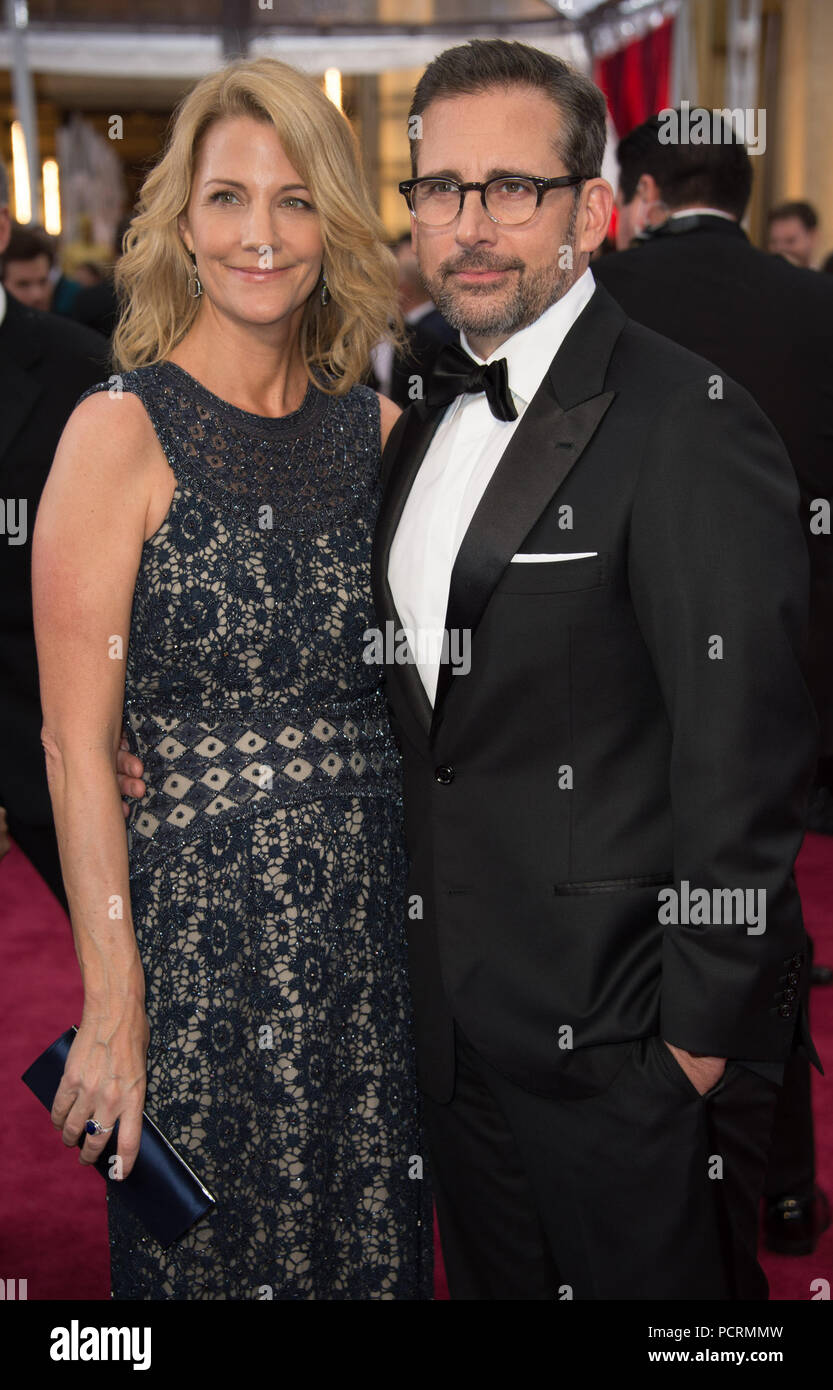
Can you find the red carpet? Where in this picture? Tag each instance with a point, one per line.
(53, 1230)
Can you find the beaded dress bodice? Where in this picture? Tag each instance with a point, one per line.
(227, 708)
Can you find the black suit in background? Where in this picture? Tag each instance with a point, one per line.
(46, 363)
(539, 895)
(769, 325)
(97, 306)
(425, 339)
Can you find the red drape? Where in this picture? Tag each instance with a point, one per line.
(636, 80)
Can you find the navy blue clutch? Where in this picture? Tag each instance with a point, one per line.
(160, 1189)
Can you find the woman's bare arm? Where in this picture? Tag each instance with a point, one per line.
(91, 524)
(389, 413)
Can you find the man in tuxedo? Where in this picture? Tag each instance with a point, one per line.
(609, 526)
(46, 363)
(694, 276)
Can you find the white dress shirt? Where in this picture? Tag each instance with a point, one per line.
(712, 212)
(2, 304)
(463, 455)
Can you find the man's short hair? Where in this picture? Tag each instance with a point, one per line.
(805, 212)
(4, 186)
(25, 243)
(714, 175)
(481, 64)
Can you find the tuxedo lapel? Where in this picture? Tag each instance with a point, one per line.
(556, 427)
(405, 450)
(545, 447)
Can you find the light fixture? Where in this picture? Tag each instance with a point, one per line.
(20, 173)
(51, 197)
(332, 86)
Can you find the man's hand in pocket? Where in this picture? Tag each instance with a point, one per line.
(703, 1072)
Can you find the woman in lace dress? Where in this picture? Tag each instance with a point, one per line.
(201, 568)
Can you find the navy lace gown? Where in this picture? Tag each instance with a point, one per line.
(267, 864)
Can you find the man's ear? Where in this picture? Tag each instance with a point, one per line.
(598, 207)
(5, 229)
(648, 189)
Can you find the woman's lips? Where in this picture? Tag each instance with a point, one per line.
(253, 273)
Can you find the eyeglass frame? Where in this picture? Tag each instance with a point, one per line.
(542, 186)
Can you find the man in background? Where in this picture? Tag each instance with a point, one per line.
(46, 363)
(694, 276)
(28, 272)
(793, 233)
(426, 328)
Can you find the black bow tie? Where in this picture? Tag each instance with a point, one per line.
(455, 374)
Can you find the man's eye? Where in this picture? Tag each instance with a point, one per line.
(512, 188)
(440, 187)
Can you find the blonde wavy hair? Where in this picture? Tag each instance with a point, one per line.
(152, 277)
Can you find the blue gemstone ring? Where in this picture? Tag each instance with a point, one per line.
(93, 1127)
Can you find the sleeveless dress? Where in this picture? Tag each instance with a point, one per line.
(267, 863)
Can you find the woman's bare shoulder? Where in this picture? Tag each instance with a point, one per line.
(114, 422)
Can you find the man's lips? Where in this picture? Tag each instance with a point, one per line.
(480, 277)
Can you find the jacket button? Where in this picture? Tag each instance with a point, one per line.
(789, 995)
(797, 960)
(793, 978)
(444, 775)
(785, 1011)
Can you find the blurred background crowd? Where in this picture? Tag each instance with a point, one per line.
(87, 88)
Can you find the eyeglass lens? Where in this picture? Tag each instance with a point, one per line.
(437, 201)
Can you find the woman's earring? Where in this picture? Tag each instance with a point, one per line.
(325, 289)
(194, 282)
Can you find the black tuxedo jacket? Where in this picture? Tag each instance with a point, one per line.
(630, 722)
(46, 363)
(768, 324)
(426, 338)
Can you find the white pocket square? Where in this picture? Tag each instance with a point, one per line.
(548, 559)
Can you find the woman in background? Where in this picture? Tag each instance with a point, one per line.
(201, 563)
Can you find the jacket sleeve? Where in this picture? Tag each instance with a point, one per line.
(719, 579)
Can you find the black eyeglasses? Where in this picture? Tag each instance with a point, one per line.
(509, 198)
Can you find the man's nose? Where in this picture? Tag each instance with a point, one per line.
(474, 223)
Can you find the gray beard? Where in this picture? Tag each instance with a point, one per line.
(534, 292)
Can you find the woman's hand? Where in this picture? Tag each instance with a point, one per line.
(105, 1079)
(129, 771)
